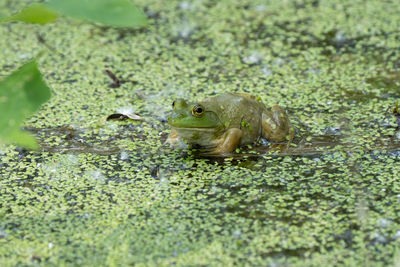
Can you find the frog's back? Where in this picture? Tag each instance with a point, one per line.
(242, 111)
(235, 105)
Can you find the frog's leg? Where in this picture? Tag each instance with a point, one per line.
(173, 138)
(276, 125)
(229, 141)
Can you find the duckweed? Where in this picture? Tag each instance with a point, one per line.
(112, 193)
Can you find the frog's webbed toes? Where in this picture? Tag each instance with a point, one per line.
(173, 139)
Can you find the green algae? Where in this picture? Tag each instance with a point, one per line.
(112, 193)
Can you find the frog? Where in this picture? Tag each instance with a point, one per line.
(227, 121)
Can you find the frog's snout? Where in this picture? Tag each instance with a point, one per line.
(174, 116)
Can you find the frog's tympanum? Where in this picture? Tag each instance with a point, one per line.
(224, 122)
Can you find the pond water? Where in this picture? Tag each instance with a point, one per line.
(111, 192)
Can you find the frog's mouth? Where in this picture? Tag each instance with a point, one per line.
(186, 121)
(199, 129)
(198, 135)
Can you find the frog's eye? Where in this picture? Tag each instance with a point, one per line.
(173, 103)
(197, 111)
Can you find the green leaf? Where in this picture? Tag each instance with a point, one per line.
(21, 94)
(36, 14)
(116, 13)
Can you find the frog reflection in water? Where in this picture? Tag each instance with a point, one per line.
(224, 122)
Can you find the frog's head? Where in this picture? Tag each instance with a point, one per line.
(191, 115)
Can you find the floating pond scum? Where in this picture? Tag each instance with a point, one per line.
(111, 193)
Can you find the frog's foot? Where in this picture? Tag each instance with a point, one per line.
(276, 125)
(173, 139)
(228, 142)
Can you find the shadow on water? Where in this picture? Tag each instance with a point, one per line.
(75, 141)
(309, 146)
(71, 140)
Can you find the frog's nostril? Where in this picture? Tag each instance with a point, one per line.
(179, 103)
